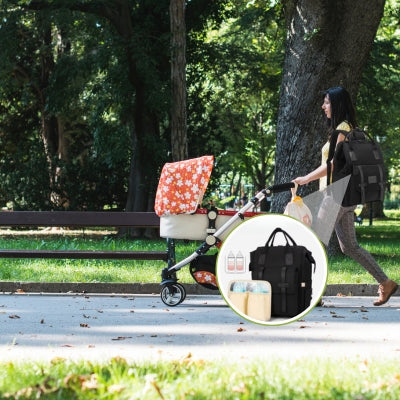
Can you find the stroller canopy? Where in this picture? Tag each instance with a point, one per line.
(182, 185)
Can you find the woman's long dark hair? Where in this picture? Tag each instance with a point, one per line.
(342, 108)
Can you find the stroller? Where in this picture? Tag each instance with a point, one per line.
(179, 194)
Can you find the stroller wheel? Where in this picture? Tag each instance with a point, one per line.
(173, 294)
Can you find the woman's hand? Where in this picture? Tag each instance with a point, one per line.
(301, 180)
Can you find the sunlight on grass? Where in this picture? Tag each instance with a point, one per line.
(382, 240)
(328, 379)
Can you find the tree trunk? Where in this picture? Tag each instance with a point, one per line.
(327, 44)
(178, 80)
(52, 129)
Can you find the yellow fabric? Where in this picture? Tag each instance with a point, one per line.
(343, 126)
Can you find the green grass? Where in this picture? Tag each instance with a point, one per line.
(382, 240)
(53, 270)
(202, 380)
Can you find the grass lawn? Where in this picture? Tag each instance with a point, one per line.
(382, 240)
(202, 380)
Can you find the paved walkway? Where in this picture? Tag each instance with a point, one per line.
(141, 327)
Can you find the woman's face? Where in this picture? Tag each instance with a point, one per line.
(326, 106)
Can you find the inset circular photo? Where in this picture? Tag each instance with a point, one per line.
(272, 269)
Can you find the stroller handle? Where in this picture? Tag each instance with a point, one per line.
(282, 187)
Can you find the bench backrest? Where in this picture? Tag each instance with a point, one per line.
(79, 218)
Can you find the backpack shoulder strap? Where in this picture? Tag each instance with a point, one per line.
(331, 153)
(332, 146)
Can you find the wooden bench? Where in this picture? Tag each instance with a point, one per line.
(82, 219)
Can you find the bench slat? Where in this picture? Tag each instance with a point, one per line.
(79, 218)
(86, 254)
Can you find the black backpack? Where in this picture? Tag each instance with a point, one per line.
(289, 270)
(359, 156)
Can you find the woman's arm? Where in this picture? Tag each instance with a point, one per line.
(312, 176)
(319, 172)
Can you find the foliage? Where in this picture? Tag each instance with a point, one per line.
(234, 84)
(117, 378)
(68, 64)
(379, 97)
(80, 95)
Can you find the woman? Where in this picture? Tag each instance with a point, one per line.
(340, 114)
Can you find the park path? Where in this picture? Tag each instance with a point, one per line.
(141, 327)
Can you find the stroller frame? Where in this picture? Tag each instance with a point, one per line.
(174, 293)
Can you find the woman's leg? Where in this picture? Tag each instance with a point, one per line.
(346, 234)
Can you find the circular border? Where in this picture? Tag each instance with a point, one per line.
(254, 233)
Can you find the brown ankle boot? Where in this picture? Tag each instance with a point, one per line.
(386, 289)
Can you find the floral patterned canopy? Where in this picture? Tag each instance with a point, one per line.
(182, 185)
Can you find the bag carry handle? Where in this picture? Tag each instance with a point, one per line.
(294, 190)
(270, 241)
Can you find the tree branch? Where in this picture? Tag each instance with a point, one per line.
(112, 13)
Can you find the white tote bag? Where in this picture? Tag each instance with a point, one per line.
(297, 209)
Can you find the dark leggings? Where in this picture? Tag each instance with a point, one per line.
(346, 233)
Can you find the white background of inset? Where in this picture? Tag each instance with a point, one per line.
(254, 233)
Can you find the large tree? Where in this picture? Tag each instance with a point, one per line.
(178, 80)
(327, 44)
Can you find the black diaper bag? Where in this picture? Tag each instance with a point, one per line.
(359, 157)
(288, 268)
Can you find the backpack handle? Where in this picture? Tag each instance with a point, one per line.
(288, 238)
(349, 135)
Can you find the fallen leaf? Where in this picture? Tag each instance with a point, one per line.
(20, 291)
(91, 383)
(84, 325)
(304, 326)
(67, 345)
(153, 335)
(14, 316)
(122, 338)
(115, 388)
(363, 367)
(241, 388)
(241, 330)
(42, 321)
(337, 316)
